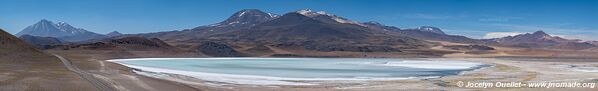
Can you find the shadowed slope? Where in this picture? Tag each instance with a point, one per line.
(23, 67)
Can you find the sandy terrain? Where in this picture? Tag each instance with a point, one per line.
(506, 68)
(502, 71)
(121, 78)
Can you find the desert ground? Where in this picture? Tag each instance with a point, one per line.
(506, 67)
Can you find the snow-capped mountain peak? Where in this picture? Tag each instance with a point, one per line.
(61, 23)
(42, 28)
(246, 17)
(242, 13)
(373, 23)
(322, 12)
(307, 12)
(431, 29)
(273, 15)
(45, 28)
(63, 26)
(304, 11)
(312, 14)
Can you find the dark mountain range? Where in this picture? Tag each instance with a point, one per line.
(40, 42)
(217, 50)
(253, 19)
(469, 47)
(433, 33)
(241, 19)
(540, 39)
(322, 31)
(61, 30)
(305, 30)
(296, 26)
(124, 43)
(423, 33)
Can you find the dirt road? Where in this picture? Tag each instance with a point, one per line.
(101, 85)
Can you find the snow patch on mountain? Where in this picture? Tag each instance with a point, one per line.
(62, 30)
(247, 17)
(310, 13)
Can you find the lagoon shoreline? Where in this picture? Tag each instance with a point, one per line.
(349, 69)
(502, 70)
(505, 69)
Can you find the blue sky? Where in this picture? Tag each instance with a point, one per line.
(472, 18)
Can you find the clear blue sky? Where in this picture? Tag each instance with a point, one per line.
(472, 18)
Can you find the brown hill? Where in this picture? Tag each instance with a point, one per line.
(23, 67)
(540, 39)
(217, 50)
(124, 44)
(127, 47)
(12, 47)
(40, 42)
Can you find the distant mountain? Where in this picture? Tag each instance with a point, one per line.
(302, 30)
(540, 39)
(433, 33)
(423, 33)
(293, 25)
(40, 42)
(61, 30)
(378, 26)
(319, 31)
(244, 18)
(250, 19)
(536, 39)
(114, 33)
(239, 20)
(43, 28)
(593, 42)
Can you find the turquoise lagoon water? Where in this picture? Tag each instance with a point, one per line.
(287, 71)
